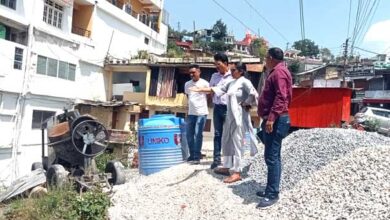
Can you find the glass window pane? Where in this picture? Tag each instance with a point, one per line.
(36, 119)
(55, 18)
(39, 117)
(52, 67)
(18, 58)
(59, 20)
(45, 13)
(63, 70)
(12, 4)
(17, 65)
(50, 15)
(41, 65)
(72, 72)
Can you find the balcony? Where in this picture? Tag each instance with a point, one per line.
(129, 85)
(82, 19)
(81, 31)
(145, 11)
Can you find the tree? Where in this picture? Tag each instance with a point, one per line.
(173, 50)
(219, 30)
(219, 46)
(307, 47)
(326, 55)
(294, 67)
(258, 48)
(178, 35)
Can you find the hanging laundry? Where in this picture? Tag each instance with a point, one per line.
(165, 83)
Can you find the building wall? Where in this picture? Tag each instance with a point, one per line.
(10, 78)
(29, 147)
(8, 104)
(126, 77)
(113, 32)
(101, 113)
(6, 164)
(129, 33)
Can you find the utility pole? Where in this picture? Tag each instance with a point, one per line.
(287, 45)
(194, 41)
(193, 33)
(345, 60)
(178, 26)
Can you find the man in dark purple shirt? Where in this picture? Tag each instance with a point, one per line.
(273, 109)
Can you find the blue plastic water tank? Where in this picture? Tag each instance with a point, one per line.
(183, 130)
(159, 140)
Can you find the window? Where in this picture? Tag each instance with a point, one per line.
(53, 13)
(56, 68)
(52, 67)
(40, 117)
(380, 113)
(146, 40)
(18, 59)
(41, 65)
(9, 3)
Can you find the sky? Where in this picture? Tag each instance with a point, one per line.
(326, 21)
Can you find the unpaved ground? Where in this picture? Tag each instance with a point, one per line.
(326, 174)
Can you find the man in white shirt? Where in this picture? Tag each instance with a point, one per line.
(197, 114)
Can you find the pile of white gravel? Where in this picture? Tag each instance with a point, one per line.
(306, 151)
(354, 187)
(327, 174)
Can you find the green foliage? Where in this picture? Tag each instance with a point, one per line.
(326, 55)
(294, 66)
(202, 45)
(174, 51)
(218, 46)
(307, 47)
(102, 159)
(219, 30)
(259, 48)
(177, 35)
(92, 205)
(371, 124)
(142, 54)
(61, 204)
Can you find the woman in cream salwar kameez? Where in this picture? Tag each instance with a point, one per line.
(241, 96)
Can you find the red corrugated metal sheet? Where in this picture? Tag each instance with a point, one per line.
(320, 107)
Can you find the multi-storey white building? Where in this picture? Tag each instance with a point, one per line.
(52, 53)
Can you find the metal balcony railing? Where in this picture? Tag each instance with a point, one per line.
(81, 31)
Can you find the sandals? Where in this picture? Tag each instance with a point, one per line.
(233, 178)
(222, 171)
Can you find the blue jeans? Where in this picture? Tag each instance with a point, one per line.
(195, 126)
(218, 118)
(273, 145)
